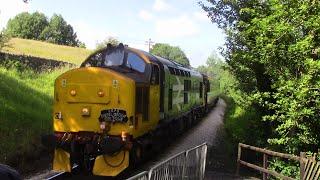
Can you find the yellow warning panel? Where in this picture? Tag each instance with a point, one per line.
(106, 165)
(61, 161)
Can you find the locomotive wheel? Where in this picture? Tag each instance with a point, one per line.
(181, 125)
(194, 117)
(158, 141)
(189, 120)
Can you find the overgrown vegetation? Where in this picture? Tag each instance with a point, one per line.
(240, 114)
(25, 113)
(167, 51)
(272, 50)
(46, 50)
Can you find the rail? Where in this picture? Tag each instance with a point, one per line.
(189, 164)
(304, 167)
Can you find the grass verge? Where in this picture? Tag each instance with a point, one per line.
(46, 50)
(25, 113)
(243, 124)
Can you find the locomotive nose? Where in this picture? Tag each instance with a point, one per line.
(83, 95)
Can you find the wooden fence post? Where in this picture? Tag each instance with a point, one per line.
(265, 166)
(302, 158)
(238, 159)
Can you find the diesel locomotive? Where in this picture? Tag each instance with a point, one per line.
(120, 103)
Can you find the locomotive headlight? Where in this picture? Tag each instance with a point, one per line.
(124, 135)
(58, 115)
(103, 125)
(85, 111)
(73, 92)
(100, 93)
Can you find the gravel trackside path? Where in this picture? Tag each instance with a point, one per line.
(210, 130)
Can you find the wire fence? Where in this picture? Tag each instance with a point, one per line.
(189, 164)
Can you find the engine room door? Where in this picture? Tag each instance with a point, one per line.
(154, 96)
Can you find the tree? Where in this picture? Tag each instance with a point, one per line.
(272, 48)
(214, 66)
(36, 26)
(81, 44)
(170, 52)
(215, 69)
(110, 40)
(26, 25)
(60, 32)
(3, 40)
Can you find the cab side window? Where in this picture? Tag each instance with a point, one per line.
(94, 60)
(154, 80)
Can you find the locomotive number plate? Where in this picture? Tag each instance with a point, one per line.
(113, 115)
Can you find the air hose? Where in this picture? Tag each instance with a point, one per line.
(114, 166)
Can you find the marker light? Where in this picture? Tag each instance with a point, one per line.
(85, 111)
(124, 136)
(73, 92)
(100, 93)
(58, 115)
(103, 125)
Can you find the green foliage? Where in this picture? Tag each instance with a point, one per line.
(297, 107)
(214, 66)
(240, 115)
(287, 168)
(214, 69)
(81, 45)
(170, 52)
(59, 31)
(26, 25)
(110, 40)
(36, 26)
(25, 114)
(272, 48)
(3, 40)
(240, 119)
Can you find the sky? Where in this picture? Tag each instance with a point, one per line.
(177, 22)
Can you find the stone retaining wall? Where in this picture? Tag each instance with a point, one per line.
(35, 63)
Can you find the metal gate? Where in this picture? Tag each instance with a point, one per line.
(189, 164)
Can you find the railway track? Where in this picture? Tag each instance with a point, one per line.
(182, 143)
(61, 175)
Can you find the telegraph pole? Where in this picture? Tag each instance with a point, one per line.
(149, 43)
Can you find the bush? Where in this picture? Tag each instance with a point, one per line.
(242, 124)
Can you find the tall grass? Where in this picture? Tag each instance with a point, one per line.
(25, 111)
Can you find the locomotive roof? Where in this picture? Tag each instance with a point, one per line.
(168, 62)
(165, 62)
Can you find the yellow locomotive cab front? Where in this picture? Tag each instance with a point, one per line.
(93, 107)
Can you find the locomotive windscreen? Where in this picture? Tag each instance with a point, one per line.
(106, 58)
(116, 57)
